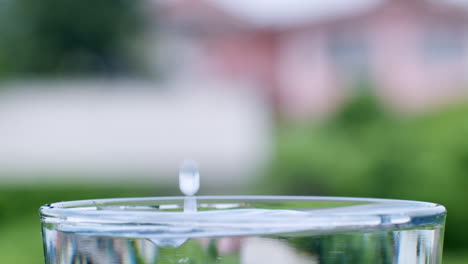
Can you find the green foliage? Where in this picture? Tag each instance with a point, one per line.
(364, 151)
(66, 36)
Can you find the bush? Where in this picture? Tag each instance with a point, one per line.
(363, 151)
(67, 37)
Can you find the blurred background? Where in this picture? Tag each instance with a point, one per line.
(346, 98)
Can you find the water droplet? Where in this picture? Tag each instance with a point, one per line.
(189, 177)
(189, 183)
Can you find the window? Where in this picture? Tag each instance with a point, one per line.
(349, 51)
(443, 43)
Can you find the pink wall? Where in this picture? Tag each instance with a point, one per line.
(408, 80)
(307, 84)
(294, 67)
(244, 56)
(312, 85)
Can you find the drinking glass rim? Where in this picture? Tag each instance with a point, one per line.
(269, 198)
(133, 217)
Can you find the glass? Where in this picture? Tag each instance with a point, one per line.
(243, 229)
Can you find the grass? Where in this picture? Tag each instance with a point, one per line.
(455, 257)
(20, 229)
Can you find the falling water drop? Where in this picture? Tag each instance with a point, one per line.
(189, 178)
(189, 183)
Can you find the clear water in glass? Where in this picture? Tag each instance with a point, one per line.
(243, 230)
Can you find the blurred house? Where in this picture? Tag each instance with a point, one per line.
(306, 56)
